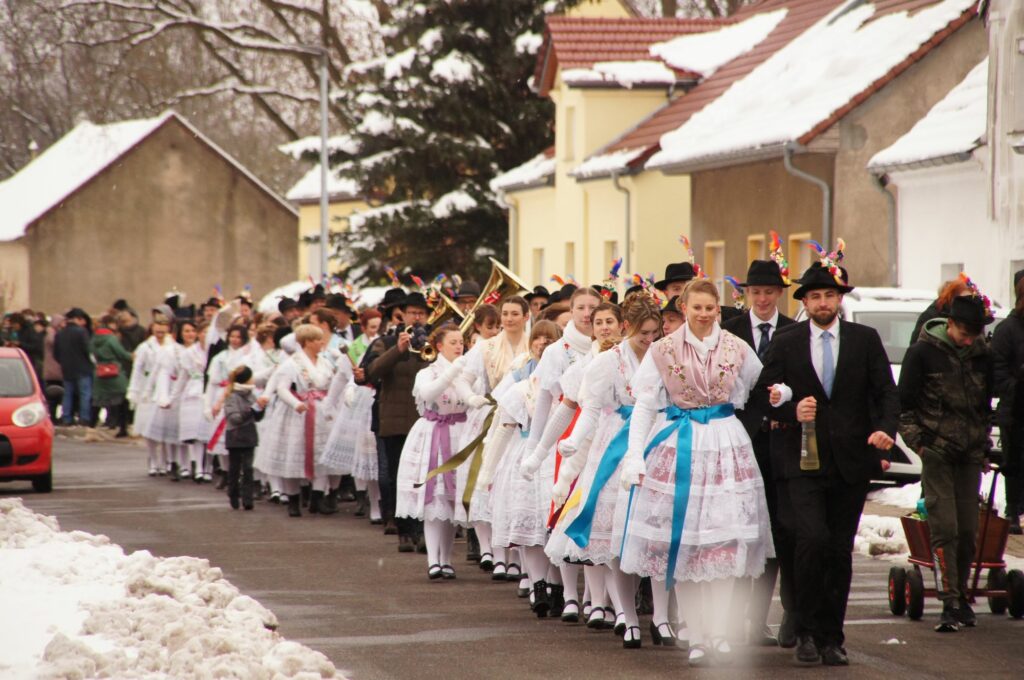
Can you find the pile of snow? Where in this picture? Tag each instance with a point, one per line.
(534, 171)
(76, 606)
(955, 125)
(621, 73)
(878, 536)
(705, 53)
(906, 496)
(805, 82)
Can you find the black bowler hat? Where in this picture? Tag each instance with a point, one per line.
(563, 294)
(764, 273)
(415, 299)
(677, 271)
(817, 277)
(538, 291)
(672, 305)
(305, 299)
(970, 311)
(633, 289)
(212, 302)
(468, 289)
(393, 297)
(339, 303)
(318, 293)
(285, 304)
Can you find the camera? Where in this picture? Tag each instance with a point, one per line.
(419, 335)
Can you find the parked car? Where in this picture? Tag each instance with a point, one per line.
(26, 431)
(893, 313)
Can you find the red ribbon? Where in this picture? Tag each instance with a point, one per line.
(218, 432)
(553, 515)
(309, 399)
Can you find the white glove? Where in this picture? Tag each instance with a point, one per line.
(560, 491)
(568, 448)
(460, 362)
(452, 372)
(528, 466)
(208, 414)
(633, 469)
(477, 400)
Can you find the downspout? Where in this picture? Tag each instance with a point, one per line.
(513, 231)
(629, 227)
(826, 192)
(880, 182)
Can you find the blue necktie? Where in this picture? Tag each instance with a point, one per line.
(762, 344)
(828, 369)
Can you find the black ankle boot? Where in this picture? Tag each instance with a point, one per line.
(472, 546)
(541, 602)
(315, 499)
(304, 493)
(293, 506)
(556, 596)
(361, 504)
(329, 505)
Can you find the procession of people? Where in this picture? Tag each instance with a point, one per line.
(610, 458)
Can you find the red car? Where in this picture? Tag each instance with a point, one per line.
(26, 431)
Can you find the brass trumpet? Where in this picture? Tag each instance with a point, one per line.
(443, 312)
(501, 285)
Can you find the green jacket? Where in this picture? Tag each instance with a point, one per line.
(946, 395)
(106, 348)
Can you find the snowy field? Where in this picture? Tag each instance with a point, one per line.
(76, 606)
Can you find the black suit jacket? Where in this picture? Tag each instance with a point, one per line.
(741, 327)
(864, 400)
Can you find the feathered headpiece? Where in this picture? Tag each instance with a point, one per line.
(698, 271)
(392, 277)
(830, 261)
(976, 292)
(778, 257)
(738, 295)
(611, 284)
(648, 289)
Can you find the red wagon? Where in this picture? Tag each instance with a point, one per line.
(1004, 590)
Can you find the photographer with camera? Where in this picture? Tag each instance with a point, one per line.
(394, 363)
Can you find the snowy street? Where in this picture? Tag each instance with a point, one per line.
(336, 585)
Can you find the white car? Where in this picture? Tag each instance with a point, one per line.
(893, 312)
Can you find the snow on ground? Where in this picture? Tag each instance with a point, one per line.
(955, 125)
(76, 606)
(705, 53)
(906, 496)
(879, 536)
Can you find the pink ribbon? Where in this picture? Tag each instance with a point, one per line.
(441, 447)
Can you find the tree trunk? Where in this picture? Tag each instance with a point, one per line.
(669, 7)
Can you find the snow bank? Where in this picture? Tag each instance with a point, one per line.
(877, 536)
(805, 82)
(954, 126)
(705, 53)
(906, 496)
(76, 606)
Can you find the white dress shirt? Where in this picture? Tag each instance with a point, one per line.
(817, 357)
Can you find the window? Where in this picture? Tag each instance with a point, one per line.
(611, 252)
(950, 270)
(570, 259)
(800, 257)
(15, 380)
(569, 133)
(714, 264)
(755, 247)
(538, 265)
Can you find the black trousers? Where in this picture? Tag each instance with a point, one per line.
(240, 474)
(822, 514)
(389, 452)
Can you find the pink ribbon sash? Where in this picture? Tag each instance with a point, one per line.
(441, 451)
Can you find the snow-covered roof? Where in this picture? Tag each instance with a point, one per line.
(538, 171)
(73, 160)
(623, 73)
(806, 86)
(308, 188)
(948, 133)
(311, 145)
(602, 164)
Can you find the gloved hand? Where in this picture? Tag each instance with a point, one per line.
(528, 466)
(208, 413)
(560, 491)
(350, 396)
(567, 448)
(460, 362)
(633, 470)
(477, 400)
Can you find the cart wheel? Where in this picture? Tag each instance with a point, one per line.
(897, 590)
(997, 580)
(915, 593)
(1015, 586)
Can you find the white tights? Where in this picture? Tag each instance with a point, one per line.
(483, 535)
(439, 536)
(706, 608)
(157, 454)
(537, 562)
(570, 580)
(595, 578)
(373, 493)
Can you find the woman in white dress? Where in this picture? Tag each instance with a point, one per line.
(237, 353)
(193, 428)
(264, 359)
(298, 427)
(697, 518)
(442, 399)
(153, 423)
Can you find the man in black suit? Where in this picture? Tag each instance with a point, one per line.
(833, 374)
(763, 289)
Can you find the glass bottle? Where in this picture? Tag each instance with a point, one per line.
(809, 447)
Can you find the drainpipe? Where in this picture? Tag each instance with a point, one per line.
(880, 182)
(629, 229)
(513, 230)
(826, 192)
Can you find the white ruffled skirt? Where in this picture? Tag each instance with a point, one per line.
(162, 424)
(192, 424)
(282, 449)
(413, 467)
(480, 503)
(521, 507)
(351, 444)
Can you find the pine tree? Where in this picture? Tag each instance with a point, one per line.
(431, 125)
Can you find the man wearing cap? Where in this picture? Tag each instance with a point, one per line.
(393, 366)
(467, 295)
(538, 299)
(677, 275)
(946, 389)
(763, 289)
(834, 376)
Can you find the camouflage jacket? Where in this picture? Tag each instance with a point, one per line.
(946, 395)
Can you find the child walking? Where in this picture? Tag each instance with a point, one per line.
(241, 412)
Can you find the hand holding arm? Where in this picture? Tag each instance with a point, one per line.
(633, 466)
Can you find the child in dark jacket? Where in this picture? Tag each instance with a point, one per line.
(241, 412)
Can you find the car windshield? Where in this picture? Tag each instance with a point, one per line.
(895, 328)
(15, 380)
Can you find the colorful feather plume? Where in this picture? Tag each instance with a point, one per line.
(975, 291)
(686, 244)
(830, 261)
(779, 258)
(616, 266)
(738, 294)
(392, 276)
(558, 279)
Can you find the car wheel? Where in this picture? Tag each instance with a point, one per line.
(43, 483)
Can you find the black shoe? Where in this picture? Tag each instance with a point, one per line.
(556, 597)
(764, 638)
(487, 562)
(1015, 527)
(472, 547)
(965, 615)
(834, 655)
(293, 507)
(631, 638)
(390, 529)
(329, 505)
(234, 502)
(571, 612)
(787, 631)
(949, 620)
(315, 500)
(447, 572)
(663, 634)
(806, 650)
(434, 572)
(222, 482)
(305, 493)
(541, 603)
(421, 545)
(121, 434)
(498, 571)
(247, 506)
(405, 544)
(175, 472)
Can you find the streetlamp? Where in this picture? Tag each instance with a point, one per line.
(324, 231)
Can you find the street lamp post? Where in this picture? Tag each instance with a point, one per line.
(324, 231)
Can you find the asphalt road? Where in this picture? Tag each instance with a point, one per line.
(339, 585)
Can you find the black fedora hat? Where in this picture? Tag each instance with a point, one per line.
(633, 289)
(817, 277)
(970, 311)
(305, 299)
(672, 305)
(677, 271)
(339, 303)
(538, 291)
(285, 304)
(764, 273)
(415, 299)
(468, 289)
(563, 294)
(393, 297)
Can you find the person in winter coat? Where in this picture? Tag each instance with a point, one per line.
(52, 375)
(23, 334)
(110, 381)
(71, 349)
(242, 410)
(946, 387)
(939, 308)
(1008, 359)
